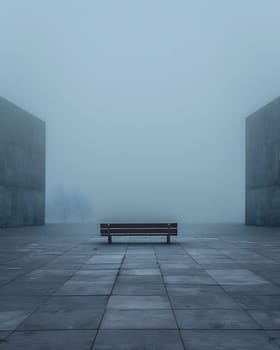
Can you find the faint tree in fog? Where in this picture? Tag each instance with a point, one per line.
(80, 206)
(69, 205)
(61, 204)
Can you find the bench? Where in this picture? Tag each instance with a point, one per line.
(134, 229)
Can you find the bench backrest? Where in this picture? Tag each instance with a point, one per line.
(139, 228)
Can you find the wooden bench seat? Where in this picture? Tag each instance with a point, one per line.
(139, 229)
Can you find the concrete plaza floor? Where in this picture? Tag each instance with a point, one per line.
(216, 287)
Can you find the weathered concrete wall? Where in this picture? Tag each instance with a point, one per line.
(263, 166)
(22, 167)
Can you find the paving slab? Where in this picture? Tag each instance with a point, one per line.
(3, 336)
(227, 340)
(139, 265)
(204, 301)
(138, 339)
(214, 319)
(189, 279)
(259, 301)
(268, 319)
(138, 302)
(67, 313)
(252, 289)
(274, 336)
(30, 288)
(236, 276)
(85, 288)
(50, 340)
(186, 290)
(22, 302)
(10, 320)
(42, 274)
(102, 266)
(140, 272)
(134, 279)
(139, 289)
(138, 319)
(94, 277)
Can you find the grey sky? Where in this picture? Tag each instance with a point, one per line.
(144, 100)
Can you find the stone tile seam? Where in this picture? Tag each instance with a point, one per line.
(113, 286)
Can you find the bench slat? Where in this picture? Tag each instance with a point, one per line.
(139, 225)
(139, 234)
(139, 230)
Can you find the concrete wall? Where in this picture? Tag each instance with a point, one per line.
(22, 167)
(263, 166)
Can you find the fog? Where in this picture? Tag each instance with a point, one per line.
(145, 101)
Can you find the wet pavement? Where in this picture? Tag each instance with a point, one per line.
(215, 287)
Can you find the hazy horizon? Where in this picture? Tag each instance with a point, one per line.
(145, 101)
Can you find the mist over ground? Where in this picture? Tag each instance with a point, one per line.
(145, 101)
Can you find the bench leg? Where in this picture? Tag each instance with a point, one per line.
(109, 239)
(168, 239)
